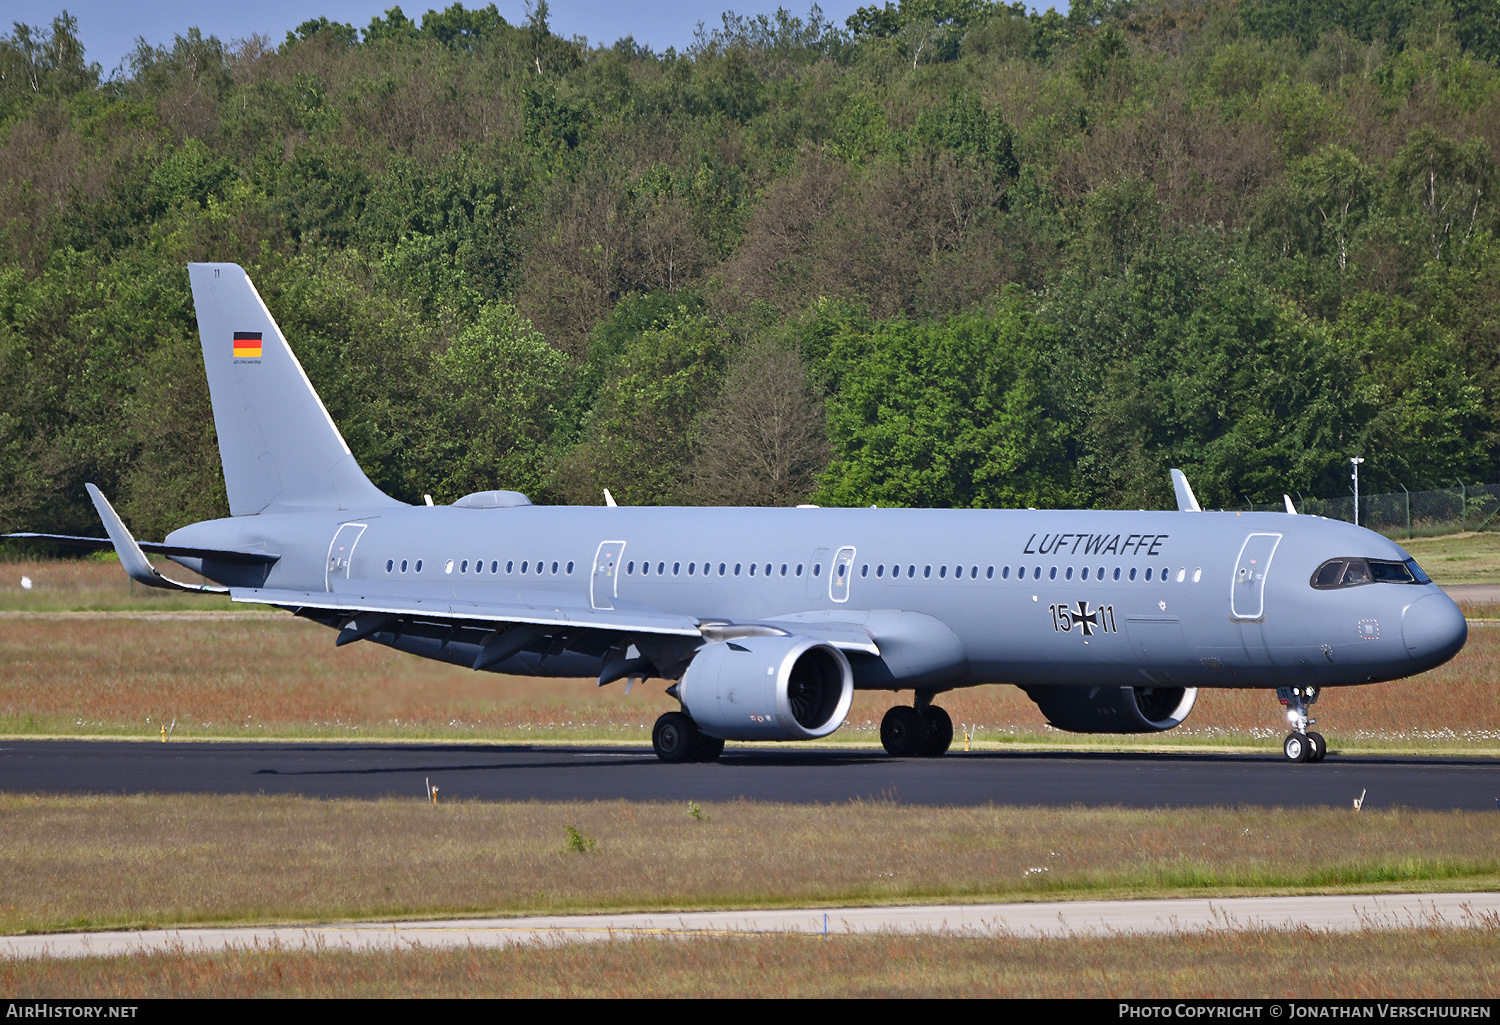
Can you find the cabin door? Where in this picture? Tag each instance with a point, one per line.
(1247, 597)
(604, 585)
(341, 554)
(838, 578)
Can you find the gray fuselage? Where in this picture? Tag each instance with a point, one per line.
(1031, 597)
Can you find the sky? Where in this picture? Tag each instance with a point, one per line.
(109, 28)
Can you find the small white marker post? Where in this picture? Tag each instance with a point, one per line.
(1359, 802)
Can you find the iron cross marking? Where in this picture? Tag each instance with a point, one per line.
(1085, 619)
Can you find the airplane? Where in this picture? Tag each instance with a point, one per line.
(765, 621)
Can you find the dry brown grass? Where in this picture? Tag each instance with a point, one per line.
(272, 675)
(117, 861)
(95, 584)
(1410, 963)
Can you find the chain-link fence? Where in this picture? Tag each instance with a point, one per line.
(1410, 513)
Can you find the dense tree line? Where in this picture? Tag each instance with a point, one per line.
(948, 253)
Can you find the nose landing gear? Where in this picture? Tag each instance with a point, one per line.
(1301, 745)
(924, 729)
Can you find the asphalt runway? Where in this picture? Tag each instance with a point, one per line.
(806, 775)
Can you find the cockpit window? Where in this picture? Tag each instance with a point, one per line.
(1353, 572)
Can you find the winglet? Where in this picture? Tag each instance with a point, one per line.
(1186, 500)
(131, 557)
(1289, 506)
(609, 499)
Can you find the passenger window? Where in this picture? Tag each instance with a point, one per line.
(690, 568)
(1069, 574)
(526, 564)
(864, 570)
(510, 567)
(818, 569)
(1117, 572)
(942, 571)
(1181, 574)
(768, 569)
(783, 569)
(554, 569)
(926, 572)
(799, 570)
(880, 570)
(403, 565)
(1148, 572)
(1004, 573)
(1132, 572)
(495, 566)
(1085, 572)
(989, 574)
(419, 566)
(463, 567)
(570, 569)
(721, 569)
(629, 568)
(736, 569)
(1197, 574)
(661, 568)
(676, 568)
(1052, 575)
(389, 564)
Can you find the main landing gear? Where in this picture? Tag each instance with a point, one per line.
(676, 738)
(924, 730)
(1301, 745)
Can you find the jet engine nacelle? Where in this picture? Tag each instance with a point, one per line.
(1114, 709)
(768, 688)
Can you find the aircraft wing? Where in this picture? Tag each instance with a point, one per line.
(503, 630)
(634, 621)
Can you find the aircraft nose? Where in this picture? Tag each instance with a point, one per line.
(1434, 630)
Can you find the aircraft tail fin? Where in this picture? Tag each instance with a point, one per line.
(279, 446)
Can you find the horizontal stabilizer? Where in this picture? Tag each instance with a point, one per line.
(152, 548)
(131, 557)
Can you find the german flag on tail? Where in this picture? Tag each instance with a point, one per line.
(247, 345)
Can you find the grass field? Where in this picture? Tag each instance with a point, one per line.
(122, 861)
(1412, 963)
(1458, 558)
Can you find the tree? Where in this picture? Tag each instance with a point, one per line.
(948, 414)
(763, 440)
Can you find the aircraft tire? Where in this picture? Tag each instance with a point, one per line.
(1319, 747)
(709, 748)
(939, 733)
(1296, 747)
(902, 731)
(675, 738)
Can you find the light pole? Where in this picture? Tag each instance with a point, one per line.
(1354, 461)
